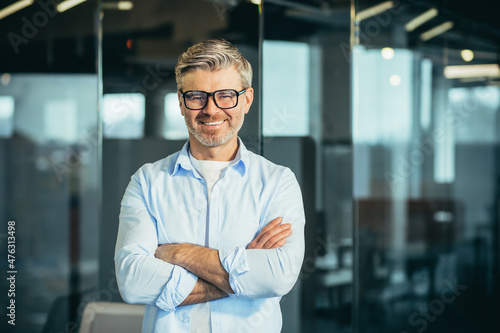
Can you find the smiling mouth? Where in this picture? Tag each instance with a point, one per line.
(214, 123)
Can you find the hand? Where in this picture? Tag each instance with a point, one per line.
(272, 236)
(166, 252)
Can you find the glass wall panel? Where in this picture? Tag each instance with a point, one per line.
(425, 138)
(49, 165)
(306, 126)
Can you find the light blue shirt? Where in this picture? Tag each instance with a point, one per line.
(167, 202)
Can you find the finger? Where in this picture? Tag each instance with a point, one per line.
(279, 244)
(273, 232)
(268, 227)
(252, 244)
(278, 239)
(271, 225)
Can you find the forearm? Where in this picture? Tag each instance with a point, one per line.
(201, 261)
(203, 291)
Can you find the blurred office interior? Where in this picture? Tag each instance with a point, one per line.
(387, 112)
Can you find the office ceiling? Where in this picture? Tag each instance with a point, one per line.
(159, 29)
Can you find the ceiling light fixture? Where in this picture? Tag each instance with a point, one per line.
(470, 71)
(125, 5)
(467, 55)
(119, 5)
(436, 31)
(16, 6)
(421, 19)
(65, 5)
(387, 53)
(374, 10)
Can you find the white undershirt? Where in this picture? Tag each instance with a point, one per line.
(211, 171)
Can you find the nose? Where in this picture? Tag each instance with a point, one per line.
(210, 108)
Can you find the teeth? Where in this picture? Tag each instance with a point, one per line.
(216, 123)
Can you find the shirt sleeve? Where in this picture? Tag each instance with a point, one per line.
(142, 278)
(257, 273)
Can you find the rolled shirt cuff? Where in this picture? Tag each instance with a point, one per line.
(235, 263)
(177, 289)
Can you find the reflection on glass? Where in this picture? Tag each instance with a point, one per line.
(175, 127)
(123, 116)
(60, 119)
(6, 116)
(286, 101)
(382, 95)
(425, 177)
(48, 186)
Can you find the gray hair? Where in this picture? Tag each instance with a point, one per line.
(213, 54)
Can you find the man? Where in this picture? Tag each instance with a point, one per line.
(211, 237)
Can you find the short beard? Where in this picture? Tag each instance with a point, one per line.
(211, 140)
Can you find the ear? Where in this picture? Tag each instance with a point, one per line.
(180, 102)
(248, 99)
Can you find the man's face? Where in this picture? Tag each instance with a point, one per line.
(212, 126)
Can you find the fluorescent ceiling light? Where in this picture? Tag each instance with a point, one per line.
(421, 19)
(16, 6)
(120, 5)
(65, 5)
(429, 34)
(125, 5)
(375, 10)
(470, 71)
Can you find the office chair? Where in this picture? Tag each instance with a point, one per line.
(105, 317)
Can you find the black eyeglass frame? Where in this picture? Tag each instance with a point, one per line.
(238, 94)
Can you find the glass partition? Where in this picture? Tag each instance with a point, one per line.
(49, 165)
(425, 141)
(306, 126)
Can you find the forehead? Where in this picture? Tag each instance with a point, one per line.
(207, 80)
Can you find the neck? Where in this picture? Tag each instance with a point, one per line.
(225, 152)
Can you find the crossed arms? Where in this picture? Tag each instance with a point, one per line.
(213, 279)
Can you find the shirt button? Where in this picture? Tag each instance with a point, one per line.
(185, 319)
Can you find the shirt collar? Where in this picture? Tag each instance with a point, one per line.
(240, 162)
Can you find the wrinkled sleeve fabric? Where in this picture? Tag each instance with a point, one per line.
(257, 273)
(142, 278)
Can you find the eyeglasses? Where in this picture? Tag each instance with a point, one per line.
(224, 99)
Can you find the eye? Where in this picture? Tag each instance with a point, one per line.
(196, 96)
(226, 94)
